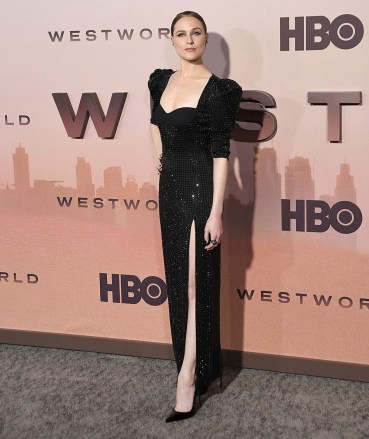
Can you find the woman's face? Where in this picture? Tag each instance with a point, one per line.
(188, 34)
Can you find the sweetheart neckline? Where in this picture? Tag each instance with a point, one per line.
(179, 108)
(198, 102)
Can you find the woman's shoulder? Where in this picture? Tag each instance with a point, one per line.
(156, 76)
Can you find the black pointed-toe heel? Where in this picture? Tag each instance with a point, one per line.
(178, 416)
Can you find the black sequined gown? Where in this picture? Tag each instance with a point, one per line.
(191, 138)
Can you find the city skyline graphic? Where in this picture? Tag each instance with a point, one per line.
(299, 181)
(128, 204)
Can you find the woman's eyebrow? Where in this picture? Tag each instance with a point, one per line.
(191, 29)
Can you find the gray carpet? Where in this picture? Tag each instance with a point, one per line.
(55, 393)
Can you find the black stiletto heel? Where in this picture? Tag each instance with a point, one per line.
(178, 416)
(220, 380)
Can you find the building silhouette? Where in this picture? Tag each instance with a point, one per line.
(84, 178)
(131, 187)
(113, 186)
(21, 169)
(299, 183)
(345, 189)
(147, 191)
(268, 191)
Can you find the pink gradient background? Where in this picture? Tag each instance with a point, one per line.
(67, 251)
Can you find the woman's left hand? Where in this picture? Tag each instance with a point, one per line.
(213, 230)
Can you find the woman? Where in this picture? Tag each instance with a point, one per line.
(193, 115)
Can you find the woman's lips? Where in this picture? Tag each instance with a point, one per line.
(190, 49)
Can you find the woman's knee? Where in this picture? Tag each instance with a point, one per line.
(191, 291)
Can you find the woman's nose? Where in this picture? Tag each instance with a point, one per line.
(190, 40)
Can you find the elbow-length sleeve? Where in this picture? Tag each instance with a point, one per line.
(223, 112)
(153, 85)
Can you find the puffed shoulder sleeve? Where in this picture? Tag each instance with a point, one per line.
(154, 80)
(153, 85)
(223, 112)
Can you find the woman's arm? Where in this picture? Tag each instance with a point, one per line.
(214, 225)
(223, 110)
(156, 138)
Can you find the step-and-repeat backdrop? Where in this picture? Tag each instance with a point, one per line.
(80, 245)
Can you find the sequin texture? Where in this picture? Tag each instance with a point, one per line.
(191, 139)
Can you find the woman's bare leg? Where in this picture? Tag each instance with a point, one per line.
(186, 377)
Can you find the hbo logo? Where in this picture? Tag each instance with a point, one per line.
(345, 32)
(127, 288)
(344, 216)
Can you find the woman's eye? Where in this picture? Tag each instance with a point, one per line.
(195, 33)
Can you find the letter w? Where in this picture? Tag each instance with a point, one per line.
(75, 124)
(322, 299)
(64, 201)
(245, 293)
